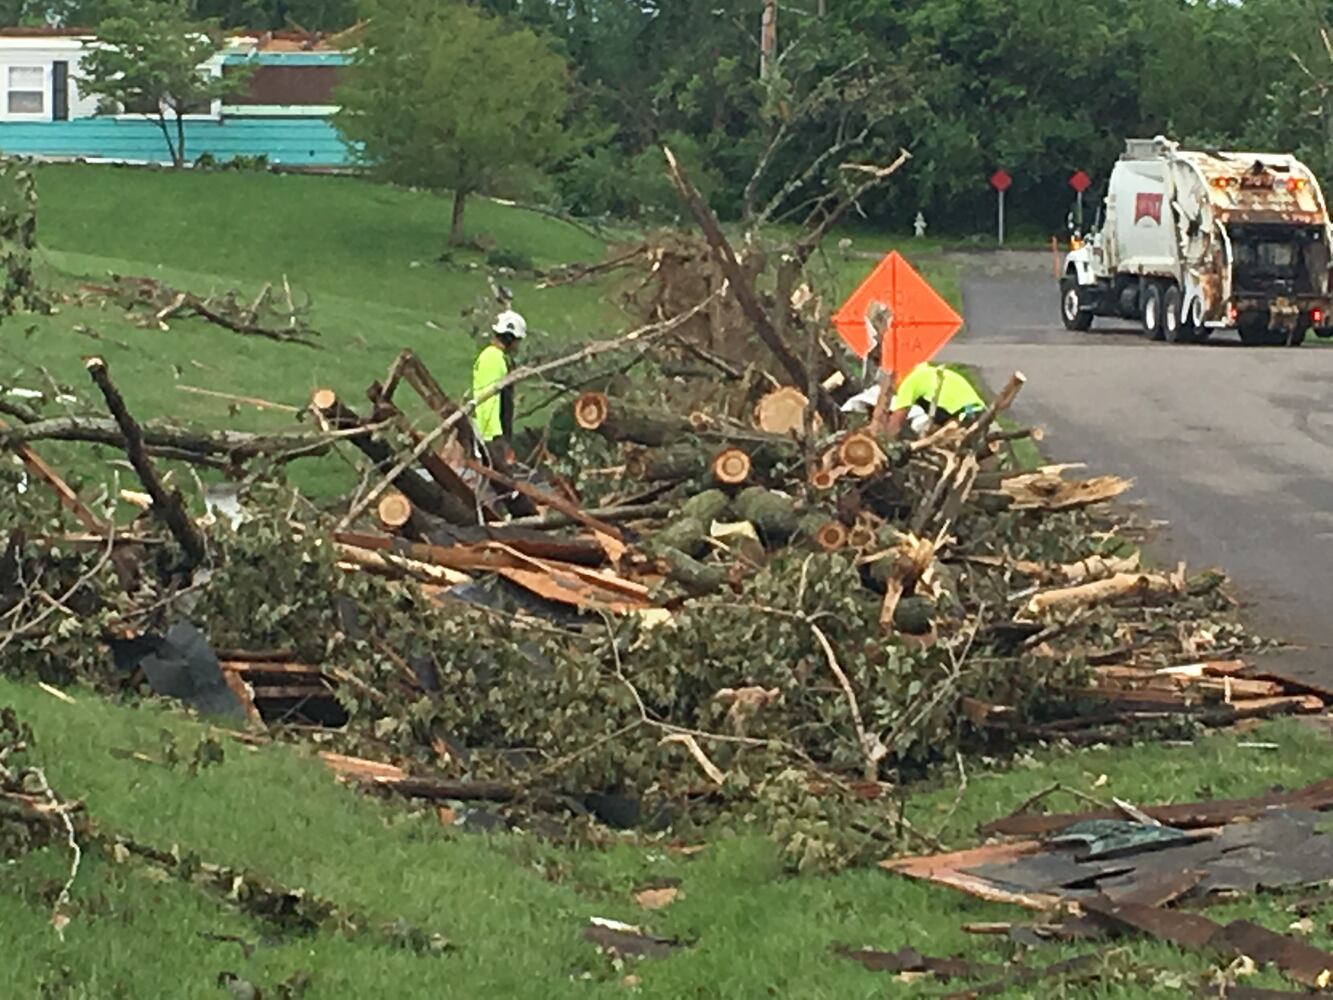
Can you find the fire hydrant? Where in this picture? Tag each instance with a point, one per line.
(919, 225)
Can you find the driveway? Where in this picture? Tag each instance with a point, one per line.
(1231, 446)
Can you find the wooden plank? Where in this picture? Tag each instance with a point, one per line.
(1188, 815)
(35, 464)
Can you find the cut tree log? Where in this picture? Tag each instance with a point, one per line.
(1101, 591)
(687, 460)
(697, 578)
(832, 536)
(860, 455)
(731, 467)
(782, 411)
(169, 506)
(773, 514)
(425, 495)
(708, 506)
(394, 510)
(685, 534)
(620, 421)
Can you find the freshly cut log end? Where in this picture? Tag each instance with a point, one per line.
(782, 411)
(323, 399)
(861, 537)
(394, 510)
(824, 479)
(591, 410)
(860, 454)
(701, 421)
(832, 537)
(94, 363)
(636, 465)
(731, 466)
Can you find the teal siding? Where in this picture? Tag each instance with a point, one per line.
(289, 58)
(311, 142)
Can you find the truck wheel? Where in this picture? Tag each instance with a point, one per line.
(1071, 309)
(1175, 330)
(1152, 311)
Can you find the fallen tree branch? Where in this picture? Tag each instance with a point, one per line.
(743, 290)
(169, 506)
(643, 333)
(237, 446)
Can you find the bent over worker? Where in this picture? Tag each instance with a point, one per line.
(494, 415)
(932, 394)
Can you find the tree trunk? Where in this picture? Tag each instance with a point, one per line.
(166, 135)
(456, 237)
(180, 138)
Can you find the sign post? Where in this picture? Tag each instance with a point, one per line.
(1080, 182)
(1000, 181)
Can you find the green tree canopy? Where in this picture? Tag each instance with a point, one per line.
(445, 97)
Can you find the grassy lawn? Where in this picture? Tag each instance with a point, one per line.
(513, 906)
(368, 255)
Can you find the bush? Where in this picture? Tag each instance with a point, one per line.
(514, 260)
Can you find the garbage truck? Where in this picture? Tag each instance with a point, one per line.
(1190, 243)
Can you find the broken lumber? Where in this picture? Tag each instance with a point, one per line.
(1113, 588)
(169, 506)
(1185, 816)
(69, 499)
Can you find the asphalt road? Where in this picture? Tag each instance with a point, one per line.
(1231, 446)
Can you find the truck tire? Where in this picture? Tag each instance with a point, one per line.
(1073, 314)
(1152, 310)
(1174, 327)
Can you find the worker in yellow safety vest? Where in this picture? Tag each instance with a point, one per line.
(494, 415)
(932, 394)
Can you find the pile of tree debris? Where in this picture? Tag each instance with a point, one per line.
(694, 595)
(751, 617)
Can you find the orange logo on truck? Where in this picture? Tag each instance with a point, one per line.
(1148, 206)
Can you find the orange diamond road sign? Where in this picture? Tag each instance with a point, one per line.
(921, 321)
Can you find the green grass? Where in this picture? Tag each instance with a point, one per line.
(513, 906)
(367, 254)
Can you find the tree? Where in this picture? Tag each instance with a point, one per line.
(445, 97)
(149, 56)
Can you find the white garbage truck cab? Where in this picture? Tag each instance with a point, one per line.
(1188, 243)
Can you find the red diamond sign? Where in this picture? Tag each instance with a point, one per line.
(921, 321)
(1000, 180)
(1080, 181)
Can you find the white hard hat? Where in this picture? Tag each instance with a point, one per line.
(511, 324)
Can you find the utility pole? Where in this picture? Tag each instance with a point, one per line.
(768, 39)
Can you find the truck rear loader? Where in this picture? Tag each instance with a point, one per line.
(1194, 242)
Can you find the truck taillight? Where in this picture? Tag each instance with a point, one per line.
(1232, 313)
(1316, 316)
(1295, 184)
